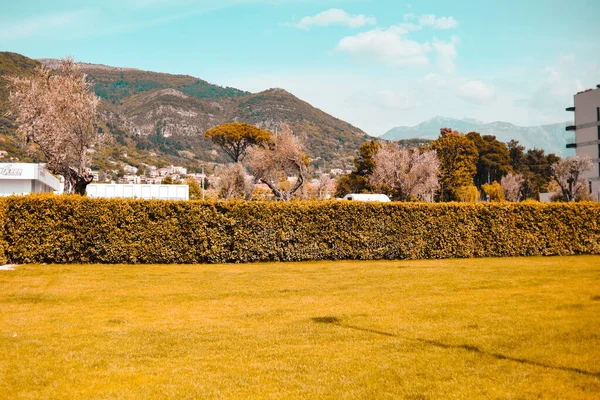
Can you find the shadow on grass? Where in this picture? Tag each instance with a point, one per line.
(474, 349)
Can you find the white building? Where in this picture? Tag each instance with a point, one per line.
(587, 134)
(131, 179)
(130, 170)
(21, 178)
(178, 170)
(160, 192)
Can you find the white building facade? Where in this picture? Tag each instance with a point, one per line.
(22, 178)
(587, 134)
(159, 192)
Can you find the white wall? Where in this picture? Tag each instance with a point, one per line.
(14, 186)
(161, 192)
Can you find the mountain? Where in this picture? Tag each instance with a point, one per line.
(12, 64)
(552, 138)
(181, 108)
(160, 119)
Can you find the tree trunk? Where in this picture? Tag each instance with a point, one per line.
(79, 182)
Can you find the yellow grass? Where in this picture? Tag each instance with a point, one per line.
(479, 328)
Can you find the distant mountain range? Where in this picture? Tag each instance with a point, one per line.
(552, 138)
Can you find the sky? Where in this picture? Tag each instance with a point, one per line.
(377, 64)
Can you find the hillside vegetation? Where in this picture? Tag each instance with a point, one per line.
(12, 64)
(161, 118)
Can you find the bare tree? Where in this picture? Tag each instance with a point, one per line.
(567, 173)
(56, 112)
(408, 173)
(283, 157)
(323, 186)
(512, 184)
(231, 181)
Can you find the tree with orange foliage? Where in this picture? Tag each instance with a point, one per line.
(236, 138)
(458, 162)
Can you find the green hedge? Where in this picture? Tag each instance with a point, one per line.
(69, 229)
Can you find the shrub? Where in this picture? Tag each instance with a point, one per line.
(65, 229)
(494, 191)
(468, 194)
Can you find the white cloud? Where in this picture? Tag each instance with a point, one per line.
(557, 84)
(45, 24)
(335, 16)
(391, 47)
(387, 46)
(392, 100)
(438, 23)
(476, 91)
(446, 53)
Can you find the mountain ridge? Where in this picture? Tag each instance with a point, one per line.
(163, 114)
(551, 137)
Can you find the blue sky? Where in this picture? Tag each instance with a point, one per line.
(374, 63)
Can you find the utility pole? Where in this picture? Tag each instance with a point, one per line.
(203, 183)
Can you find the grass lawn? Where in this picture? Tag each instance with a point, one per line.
(479, 328)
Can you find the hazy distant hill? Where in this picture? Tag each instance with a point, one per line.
(552, 138)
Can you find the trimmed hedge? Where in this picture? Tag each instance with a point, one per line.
(3, 243)
(70, 229)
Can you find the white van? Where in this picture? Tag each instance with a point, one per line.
(367, 197)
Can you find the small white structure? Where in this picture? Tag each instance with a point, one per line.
(367, 197)
(23, 178)
(159, 192)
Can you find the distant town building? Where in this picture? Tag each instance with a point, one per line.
(3, 153)
(587, 133)
(21, 178)
(130, 170)
(178, 170)
(163, 171)
(131, 179)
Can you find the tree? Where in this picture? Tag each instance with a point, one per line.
(284, 156)
(406, 173)
(231, 181)
(458, 162)
(364, 164)
(511, 185)
(57, 114)
(517, 155)
(537, 170)
(168, 180)
(324, 182)
(494, 158)
(567, 173)
(195, 190)
(358, 180)
(350, 183)
(467, 194)
(493, 191)
(236, 138)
